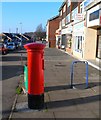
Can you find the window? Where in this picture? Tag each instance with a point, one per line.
(67, 18)
(64, 8)
(74, 5)
(68, 10)
(74, 12)
(61, 12)
(63, 22)
(81, 9)
(63, 41)
(94, 15)
(99, 47)
(68, 3)
(78, 43)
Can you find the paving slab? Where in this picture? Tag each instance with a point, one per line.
(74, 114)
(22, 98)
(60, 100)
(35, 114)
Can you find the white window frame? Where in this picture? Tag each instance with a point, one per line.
(68, 18)
(82, 7)
(78, 43)
(64, 8)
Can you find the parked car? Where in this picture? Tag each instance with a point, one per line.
(44, 41)
(19, 44)
(3, 50)
(11, 46)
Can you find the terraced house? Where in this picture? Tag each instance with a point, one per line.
(79, 31)
(52, 26)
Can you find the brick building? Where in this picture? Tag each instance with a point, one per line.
(52, 26)
(67, 12)
(80, 27)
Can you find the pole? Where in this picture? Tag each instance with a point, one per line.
(86, 74)
(72, 75)
(21, 33)
(16, 30)
(9, 30)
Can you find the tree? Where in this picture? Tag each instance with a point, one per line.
(40, 32)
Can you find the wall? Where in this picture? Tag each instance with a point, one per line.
(90, 43)
(47, 31)
(52, 27)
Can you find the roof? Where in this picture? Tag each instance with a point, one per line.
(53, 18)
(62, 5)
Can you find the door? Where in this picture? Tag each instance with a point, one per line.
(99, 47)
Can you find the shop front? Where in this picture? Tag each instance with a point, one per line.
(98, 48)
(66, 38)
(94, 27)
(78, 39)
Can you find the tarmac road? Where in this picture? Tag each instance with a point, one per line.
(12, 69)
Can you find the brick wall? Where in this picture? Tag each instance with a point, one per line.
(52, 27)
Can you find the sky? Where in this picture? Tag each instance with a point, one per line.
(26, 16)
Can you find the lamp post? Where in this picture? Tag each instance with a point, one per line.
(21, 33)
(21, 27)
(9, 30)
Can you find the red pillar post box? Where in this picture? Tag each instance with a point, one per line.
(35, 62)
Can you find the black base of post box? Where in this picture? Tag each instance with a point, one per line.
(36, 101)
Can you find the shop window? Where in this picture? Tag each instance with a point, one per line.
(78, 43)
(69, 43)
(63, 41)
(99, 47)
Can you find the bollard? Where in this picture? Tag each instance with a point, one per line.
(72, 66)
(35, 64)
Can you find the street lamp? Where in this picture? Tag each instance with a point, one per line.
(21, 32)
(21, 27)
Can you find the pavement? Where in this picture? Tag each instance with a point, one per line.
(11, 69)
(61, 101)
